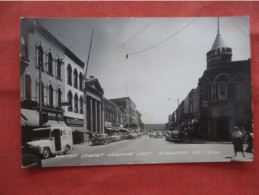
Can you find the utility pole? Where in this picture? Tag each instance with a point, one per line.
(177, 113)
(40, 96)
(85, 95)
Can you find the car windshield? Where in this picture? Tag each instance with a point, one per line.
(41, 134)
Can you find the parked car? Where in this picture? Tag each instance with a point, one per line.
(101, 139)
(132, 136)
(152, 134)
(176, 135)
(159, 134)
(124, 136)
(115, 137)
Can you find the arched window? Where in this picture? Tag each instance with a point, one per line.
(69, 75)
(27, 87)
(58, 68)
(50, 95)
(222, 86)
(70, 99)
(75, 78)
(81, 105)
(40, 57)
(50, 67)
(207, 89)
(80, 81)
(42, 93)
(59, 97)
(76, 103)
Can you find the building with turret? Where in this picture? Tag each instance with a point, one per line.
(222, 99)
(225, 93)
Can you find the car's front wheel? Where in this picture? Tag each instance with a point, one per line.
(46, 153)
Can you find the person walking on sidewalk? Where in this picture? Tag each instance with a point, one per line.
(237, 138)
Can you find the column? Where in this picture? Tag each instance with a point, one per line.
(91, 115)
(85, 111)
(100, 117)
(95, 107)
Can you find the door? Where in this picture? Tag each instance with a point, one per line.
(223, 125)
(57, 137)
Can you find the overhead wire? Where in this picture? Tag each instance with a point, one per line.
(159, 43)
(240, 27)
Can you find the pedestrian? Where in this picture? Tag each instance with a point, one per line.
(237, 138)
(250, 146)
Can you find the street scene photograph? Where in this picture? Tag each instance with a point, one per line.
(114, 91)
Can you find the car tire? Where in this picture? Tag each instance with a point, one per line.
(67, 149)
(46, 153)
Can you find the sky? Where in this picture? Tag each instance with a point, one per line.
(170, 68)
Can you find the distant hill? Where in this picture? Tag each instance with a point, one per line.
(152, 127)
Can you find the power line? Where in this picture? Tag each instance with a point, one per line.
(159, 43)
(139, 32)
(241, 28)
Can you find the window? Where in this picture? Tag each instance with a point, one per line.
(59, 97)
(50, 68)
(27, 87)
(80, 81)
(69, 75)
(75, 78)
(207, 89)
(222, 86)
(76, 103)
(50, 95)
(58, 68)
(69, 98)
(40, 58)
(42, 93)
(81, 105)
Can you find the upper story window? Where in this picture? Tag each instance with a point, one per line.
(207, 91)
(76, 103)
(70, 99)
(59, 97)
(40, 58)
(222, 86)
(69, 75)
(42, 93)
(81, 105)
(50, 66)
(59, 68)
(80, 81)
(50, 95)
(27, 87)
(75, 78)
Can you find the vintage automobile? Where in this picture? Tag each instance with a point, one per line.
(101, 139)
(114, 137)
(176, 135)
(132, 136)
(50, 141)
(159, 134)
(152, 134)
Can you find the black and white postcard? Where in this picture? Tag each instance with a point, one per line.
(110, 91)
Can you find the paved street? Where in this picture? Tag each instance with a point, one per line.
(145, 150)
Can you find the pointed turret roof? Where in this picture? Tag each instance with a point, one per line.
(219, 42)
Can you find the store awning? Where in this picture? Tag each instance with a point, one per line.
(54, 123)
(82, 129)
(29, 117)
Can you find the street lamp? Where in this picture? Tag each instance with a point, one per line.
(176, 99)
